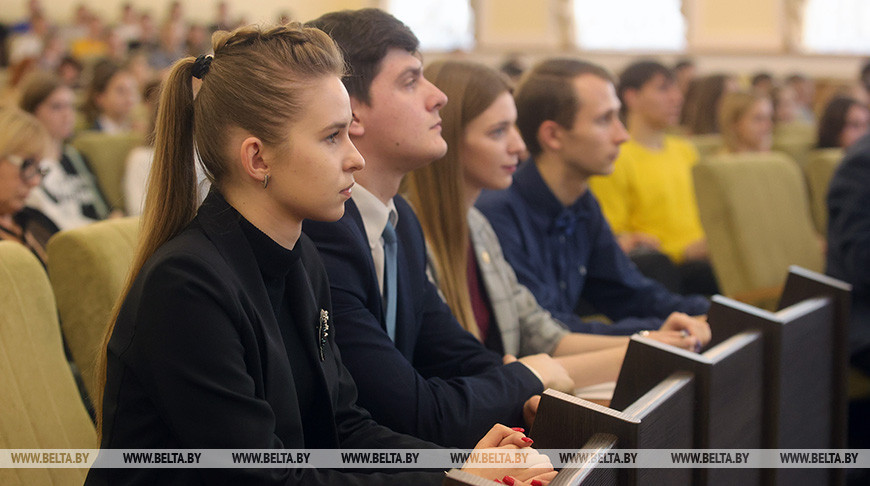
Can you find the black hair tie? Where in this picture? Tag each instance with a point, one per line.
(201, 66)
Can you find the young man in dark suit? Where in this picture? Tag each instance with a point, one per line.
(417, 370)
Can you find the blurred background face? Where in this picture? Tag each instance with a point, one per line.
(120, 97)
(15, 182)
(857, 123)
(491, 148)
(755, 127)
(57, 113)
(659, 102)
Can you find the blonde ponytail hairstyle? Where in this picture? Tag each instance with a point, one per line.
(436, 191)
(255, 83)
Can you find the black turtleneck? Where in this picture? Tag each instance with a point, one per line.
(290, 293)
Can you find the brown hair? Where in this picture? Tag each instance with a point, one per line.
(546, 92)
(255, 83)
(103, 72)
(702, 104)
(436, 190)
(365, 37)
(36, 88)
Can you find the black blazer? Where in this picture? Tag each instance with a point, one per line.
(437, 381)
(196, 360)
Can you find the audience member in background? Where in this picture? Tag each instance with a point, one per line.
(69, 193)
(763, 84)
(223, 336)
(804, 89)
(513, 67)
(649, 199)
(128, 29)
(221, 18)
(550, 225)
(140, 159)
(746, 122)
(843, 122)
(22, 142)
(70, 72)
(93, 45)
(111, 98)
(701, 104)
(417, 370)
(170, 49)
(785, 108)
(466, 261)
(684, 73)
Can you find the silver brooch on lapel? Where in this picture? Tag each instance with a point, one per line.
(323, 330)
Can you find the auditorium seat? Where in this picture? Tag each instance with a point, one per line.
(796, 139)
(40, 406)
(819, 170)
(88, 268)
(755, 211)
(707, 145)
(728, 393)
(107, 154)
(661, 418)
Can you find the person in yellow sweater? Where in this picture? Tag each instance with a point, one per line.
(649, 200)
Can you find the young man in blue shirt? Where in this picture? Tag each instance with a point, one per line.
(551, 226)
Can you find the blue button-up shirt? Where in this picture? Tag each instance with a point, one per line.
(563, 254)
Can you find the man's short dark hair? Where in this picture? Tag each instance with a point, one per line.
(638, 74)
(364, 37)
(761, 78)
(683, 64)
(547, 92)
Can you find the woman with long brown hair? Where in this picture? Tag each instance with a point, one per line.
(484, 150)
(223, 336)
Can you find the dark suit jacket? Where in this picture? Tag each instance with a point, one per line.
(437, 381)
(849, 237)
(196, 360)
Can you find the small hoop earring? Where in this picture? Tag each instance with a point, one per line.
(266, 181)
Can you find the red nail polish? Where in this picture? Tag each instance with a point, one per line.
(508, 480)
(518, 429)
(537, 482)
(526, 439)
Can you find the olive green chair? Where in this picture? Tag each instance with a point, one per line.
(707, 145)
(88, 267)
(755, 211)
(40, 405)
(107, 155)
(819, 170)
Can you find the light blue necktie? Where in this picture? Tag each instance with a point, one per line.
(390, 296)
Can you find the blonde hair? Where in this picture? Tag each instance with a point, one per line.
(732, 109)
(436, 191)
(21, 134)
(255, 83)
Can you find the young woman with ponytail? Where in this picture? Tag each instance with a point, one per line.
(222, 338)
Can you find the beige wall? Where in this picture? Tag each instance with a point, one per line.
(740, 36)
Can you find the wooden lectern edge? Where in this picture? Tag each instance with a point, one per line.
(731, 345)
(582, 403)
(657, 395)
(820, 277)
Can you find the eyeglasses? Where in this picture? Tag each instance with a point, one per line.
(29, 168)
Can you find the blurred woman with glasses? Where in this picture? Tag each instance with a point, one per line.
(22, 144)
(69, 194)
